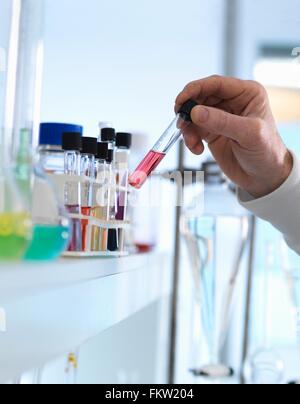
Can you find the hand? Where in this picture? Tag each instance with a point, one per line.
(235, 119)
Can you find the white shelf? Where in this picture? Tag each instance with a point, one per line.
(53, 308)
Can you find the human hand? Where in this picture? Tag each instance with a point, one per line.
(234, 117)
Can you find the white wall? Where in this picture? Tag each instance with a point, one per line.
(125, 61)
(5, 13)
(265, 22)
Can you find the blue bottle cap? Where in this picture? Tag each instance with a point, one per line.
(51, 133)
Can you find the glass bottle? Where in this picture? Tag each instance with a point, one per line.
(113, 241)
(50, 145)
(71, 144)
(123, 145)
(108, 135)
(50, 221)
(100, 209)
(88, 154)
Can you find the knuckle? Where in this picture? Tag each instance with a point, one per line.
(215, 77)
(191, 87)
(260, 89)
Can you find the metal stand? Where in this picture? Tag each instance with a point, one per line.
(176, 266)
(253, 222)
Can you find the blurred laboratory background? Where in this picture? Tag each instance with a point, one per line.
(228, 304)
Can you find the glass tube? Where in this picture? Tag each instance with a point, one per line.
(164, 144)
(89, 151)
(72, 144)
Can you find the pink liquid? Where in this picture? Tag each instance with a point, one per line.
(144, 170)
(85, 211)
(76, 237)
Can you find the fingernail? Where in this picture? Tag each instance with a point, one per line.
(201, 114)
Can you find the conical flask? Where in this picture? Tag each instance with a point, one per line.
(15, 224)
(217, 242)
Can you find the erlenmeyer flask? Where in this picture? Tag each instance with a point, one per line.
(218, 240)
(15, 225)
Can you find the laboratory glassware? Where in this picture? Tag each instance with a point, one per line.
(108, 135)
(72, 144)
(100, 207)
(15, 223)
(290, 262)
(50, 145)
(265, 366)
(88, 156)
(123, 145)
(217, 239)
(50, 220)
(103, 125)
(113, 237)
(165, 143)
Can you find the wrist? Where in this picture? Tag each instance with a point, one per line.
(278, 176)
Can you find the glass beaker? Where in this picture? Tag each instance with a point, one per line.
(217, 242)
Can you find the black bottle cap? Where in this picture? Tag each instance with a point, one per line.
(71, 141)
(108, 135)
(89, 145)
(102, 150)
(110, 156)
(124, 140)
(186, 109)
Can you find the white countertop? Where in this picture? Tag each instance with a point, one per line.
(52, 308)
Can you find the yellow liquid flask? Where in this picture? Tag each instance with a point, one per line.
(15, 223)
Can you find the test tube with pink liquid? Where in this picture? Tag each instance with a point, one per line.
(163, 145)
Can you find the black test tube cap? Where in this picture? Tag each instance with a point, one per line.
(186, 110)
(89, 145)
(108, 135)
(124, 140)
(71, 141)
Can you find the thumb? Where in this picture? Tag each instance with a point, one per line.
(219, 122)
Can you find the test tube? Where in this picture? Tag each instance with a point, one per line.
(71, 144)
(100, 209)
(89, 151)
(123, 145)
(112, 242)
(163, 145)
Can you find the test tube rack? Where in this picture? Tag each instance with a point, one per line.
(60, 181)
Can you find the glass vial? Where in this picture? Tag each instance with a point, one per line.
(100, 209)
(123, 145)
(71, 144)
(88, 154)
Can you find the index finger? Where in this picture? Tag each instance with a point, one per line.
(218, 86)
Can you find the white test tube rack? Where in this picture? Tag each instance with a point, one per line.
(60, 181)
